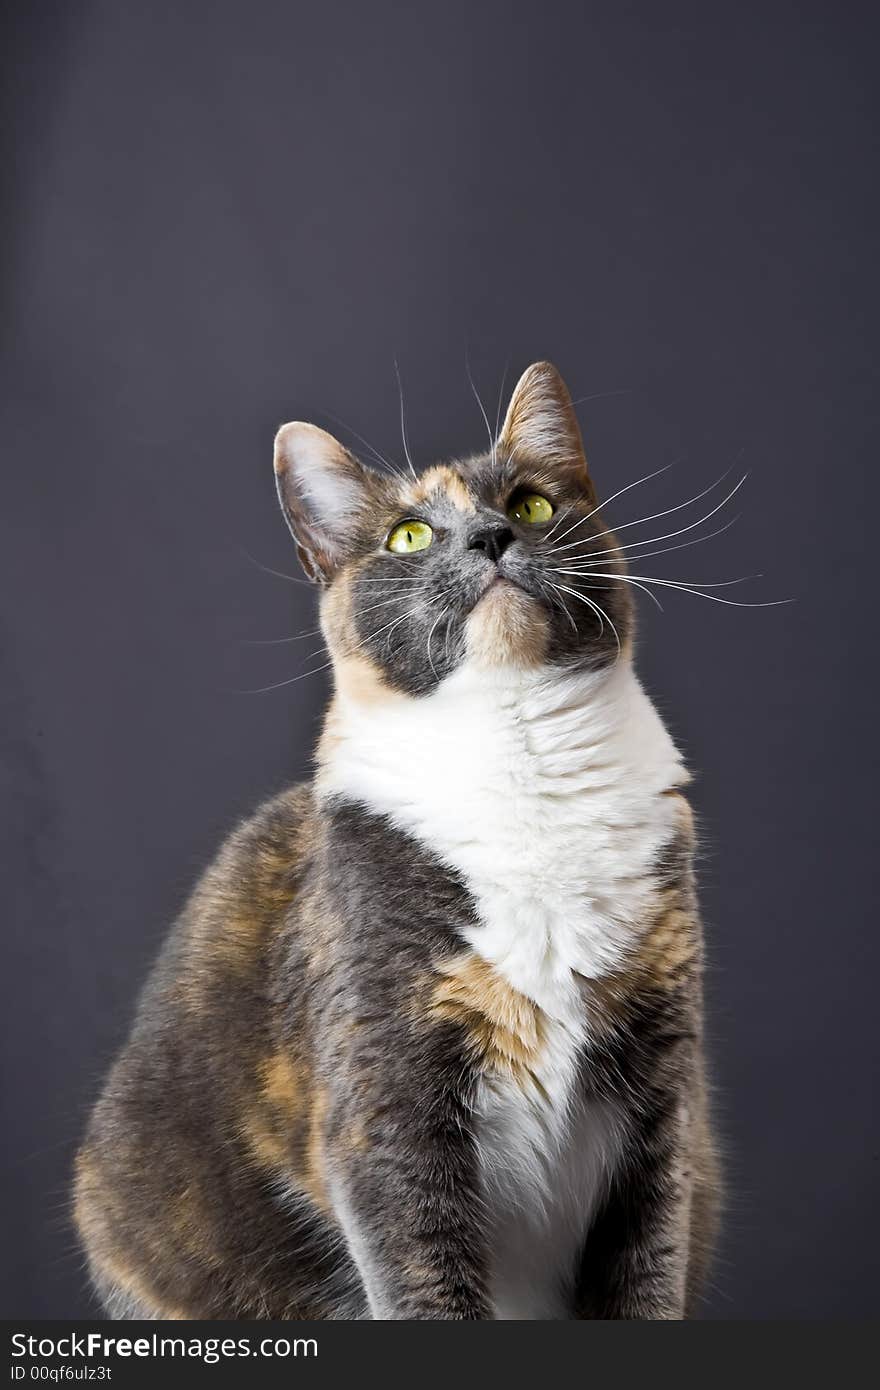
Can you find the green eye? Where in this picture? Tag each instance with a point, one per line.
(530, 508)
(410, 536)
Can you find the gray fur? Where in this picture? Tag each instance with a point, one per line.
(289, 1131)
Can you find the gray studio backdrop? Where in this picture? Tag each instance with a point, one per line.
(224, 216)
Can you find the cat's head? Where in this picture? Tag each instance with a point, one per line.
(501, 560)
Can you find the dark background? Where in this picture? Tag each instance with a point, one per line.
(224, 216)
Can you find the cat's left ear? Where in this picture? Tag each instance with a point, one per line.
(324, 491)
(541, 427)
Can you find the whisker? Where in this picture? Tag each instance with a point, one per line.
(410, 612)
(396, 579)
(564, 511)
(410, 567)
(698, 591)
(384, 602)
(389, 627)
(446, 642)
(263, 689)
(395, 591)
(594, 556)
(683, 529)
(597, 609)
(688, 583)
(278, 641)
(653, 597)
(403, 422)
(392, 468)
(546, 583)
(409, 587)
(467, 367)
(608, 500)
(279, 574)
(314, 632)
(498, 408)
(642, 520)
(441, 614)
(562, 589)
(603, 395)
(636, 585)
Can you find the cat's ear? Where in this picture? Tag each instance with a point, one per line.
(323, 490)
(540, 425)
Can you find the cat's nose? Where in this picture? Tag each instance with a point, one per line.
(493, 540)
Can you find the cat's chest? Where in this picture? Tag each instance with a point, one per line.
(546, 799)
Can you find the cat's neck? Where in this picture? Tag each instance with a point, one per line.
(541, 726)
(498, 734)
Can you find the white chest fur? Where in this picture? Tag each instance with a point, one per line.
(545, 793)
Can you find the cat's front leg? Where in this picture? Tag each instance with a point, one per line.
(635, 1263)
(403, 1181)
(639, 1250)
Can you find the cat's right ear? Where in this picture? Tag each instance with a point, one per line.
(323, 490)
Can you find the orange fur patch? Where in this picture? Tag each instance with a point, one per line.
(315, 1173)
(355, 675)
(337, 620)
(282, 1083)
(668, 948)
(269, 1127)
(441, 478)
(670, 944)
(503, 1025)
(507, 628)
(360, 679)
(285, 1130)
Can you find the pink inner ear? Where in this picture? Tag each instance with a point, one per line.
(331, 496)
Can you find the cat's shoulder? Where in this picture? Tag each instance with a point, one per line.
(256, 873)
(277, 833)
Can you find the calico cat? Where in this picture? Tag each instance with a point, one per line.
(426, 1039)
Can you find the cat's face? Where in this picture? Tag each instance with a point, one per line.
(502, 560)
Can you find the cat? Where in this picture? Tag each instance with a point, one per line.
(426, 1041)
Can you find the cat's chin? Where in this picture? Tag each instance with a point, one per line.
(507, 627)
(502, 582)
